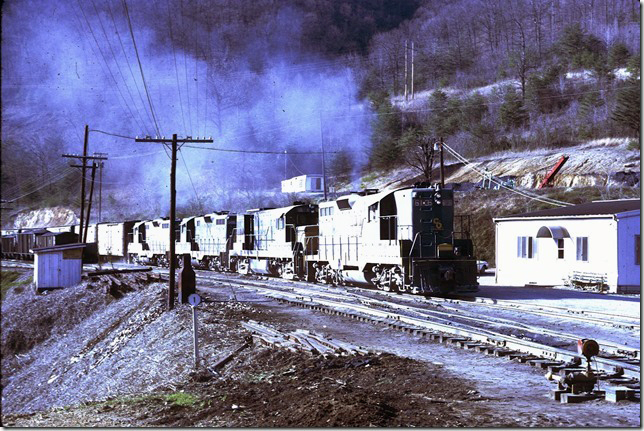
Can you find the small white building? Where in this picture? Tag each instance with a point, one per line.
(600, 239)
(304, 184)
(58, 266)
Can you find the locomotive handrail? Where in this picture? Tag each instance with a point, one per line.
(411, 250)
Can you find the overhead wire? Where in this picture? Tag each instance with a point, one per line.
(138, 59)
(118, 66)
(129, 66)
(471, 166)
(176, 70)
(89, 26)
(57, 177)
(185, 66)
(191, 183)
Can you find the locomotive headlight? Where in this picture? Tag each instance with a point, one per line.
(437, 198)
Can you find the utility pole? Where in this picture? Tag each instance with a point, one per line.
(405, 70)
(100, 188)
(91, 194)
(412, 70)
(323, 158)
(84, 158)
(440, 143)
(173, 198)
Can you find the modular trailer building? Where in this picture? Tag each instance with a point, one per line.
(600, 239)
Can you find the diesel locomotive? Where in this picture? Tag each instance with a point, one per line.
(405, 240)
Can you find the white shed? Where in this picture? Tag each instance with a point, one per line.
(58, 266)
(600, 239)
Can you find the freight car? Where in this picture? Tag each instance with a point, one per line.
(113, 239)
(19, 243)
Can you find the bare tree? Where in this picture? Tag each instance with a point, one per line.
(420, 154)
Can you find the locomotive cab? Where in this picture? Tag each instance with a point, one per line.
(438, 261)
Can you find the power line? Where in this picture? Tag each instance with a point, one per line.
(138, 59)
(185, 66)
(191, 183)
(58, 177)
(118, 89)
(118, 66)
(471, 166)
(176, 70)
(127, 60)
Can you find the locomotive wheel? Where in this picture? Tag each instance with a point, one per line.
(212, 264)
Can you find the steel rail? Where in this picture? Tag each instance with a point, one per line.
(582, 316)
(476, 334)
(608, 347)
(480, 335)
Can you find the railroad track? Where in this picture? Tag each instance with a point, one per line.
(450, 326)
(584, 316)
(615, 360)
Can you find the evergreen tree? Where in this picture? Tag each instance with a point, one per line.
(341, 166)
(444, 117)
(386, 131)
(512, 112)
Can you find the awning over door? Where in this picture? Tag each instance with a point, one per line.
(555, 232)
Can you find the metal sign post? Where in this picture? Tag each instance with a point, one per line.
(195, 300)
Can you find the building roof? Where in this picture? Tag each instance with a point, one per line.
(586, 209)
(56, 248)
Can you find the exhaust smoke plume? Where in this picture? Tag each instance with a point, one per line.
(236, 71)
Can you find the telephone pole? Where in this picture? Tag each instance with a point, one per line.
(406, 78)
(174, 144)
(412, 70)
(323, 158)
(84, 158)
(100, 187)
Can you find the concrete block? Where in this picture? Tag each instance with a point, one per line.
(619, 393)
(570, 398)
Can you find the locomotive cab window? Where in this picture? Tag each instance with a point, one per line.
(372, 213)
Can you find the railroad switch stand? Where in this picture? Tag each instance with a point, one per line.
(187, 279)
(580, 382)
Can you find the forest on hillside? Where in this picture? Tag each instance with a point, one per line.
(488, 75)
(567, 71)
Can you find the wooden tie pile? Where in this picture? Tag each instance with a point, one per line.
(300, 339)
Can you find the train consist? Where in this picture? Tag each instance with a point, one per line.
(405, 240)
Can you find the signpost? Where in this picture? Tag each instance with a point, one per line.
(195, 300)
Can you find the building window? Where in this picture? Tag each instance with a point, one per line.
(582, 248)
(525, 247)
(560, 248)
(198, 223)
(637, 250)
(220, 221)
(318, 184)
(165, 225)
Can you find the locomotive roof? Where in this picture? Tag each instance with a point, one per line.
(365, 200)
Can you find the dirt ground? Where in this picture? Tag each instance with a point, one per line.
(129, 363)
